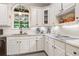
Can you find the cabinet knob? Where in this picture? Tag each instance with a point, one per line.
(52, 46)
(17, 41)
(77, 17)
(20, 41)
(74, 53)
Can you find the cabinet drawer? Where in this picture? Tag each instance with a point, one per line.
(51, 41)
(72, 50)
(60, 44)
(59, 52)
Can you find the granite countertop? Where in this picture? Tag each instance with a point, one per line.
(22, 35)
(68, 40)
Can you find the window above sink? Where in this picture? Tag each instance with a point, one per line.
(21, 17)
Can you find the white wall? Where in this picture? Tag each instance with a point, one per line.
(72, 30)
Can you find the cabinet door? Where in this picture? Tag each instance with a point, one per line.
(77, 12)
(24, 45)
(33, 20)
(54, 11)
(57, 8)
(39, 17)
(12, 46)
(3, 15)
(51, 46)
(67, 5)
(46, 16)
(58, 51)
(59, 48)
(32, 45)
(39, 43)
(71, 50)
(51, 15)
(46, 45)
(51, 49)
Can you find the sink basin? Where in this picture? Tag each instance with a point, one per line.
(19, 34)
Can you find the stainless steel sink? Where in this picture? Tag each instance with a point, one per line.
(19, 34)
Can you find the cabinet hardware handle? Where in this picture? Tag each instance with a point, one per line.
(74, 52)
(17, 41)
(20, 41)
(52, 46)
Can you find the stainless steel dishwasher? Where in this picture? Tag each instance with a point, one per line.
(2, 46)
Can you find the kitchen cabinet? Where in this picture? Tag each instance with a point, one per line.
(54, 47)
(24, 45)
(57, 8)
(39, 16)
(51, 47)
(71, 50)
(12, 46)
(51, 14)
(36, 16)
(67, 5)
(18, 45)
(46, 20)
(59, 48)
(39, 43)
(77, 12)
(54, 10)
(58, 51)
(3, 14)
(33, 14)
(32, 44)
(46, 45)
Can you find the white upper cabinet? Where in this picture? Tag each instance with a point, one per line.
(33, 20)
(3, 14)
(77, 11)
(64, 13)
(57, 8)
(67, 5)
(46, 16)
(36, 16)
(39, 17)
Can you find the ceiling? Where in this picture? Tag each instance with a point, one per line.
(32, 4)
(39, 4)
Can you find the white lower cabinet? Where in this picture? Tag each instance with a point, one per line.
(20, 45)
(71, 50)
(51, 47)
(46, 45)
(24, 45)
(17, 45)
(12, 46)
(39, 43)
(32, 45)
(59, 48)
(54, 47)
(58, 51)
(51, 50)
